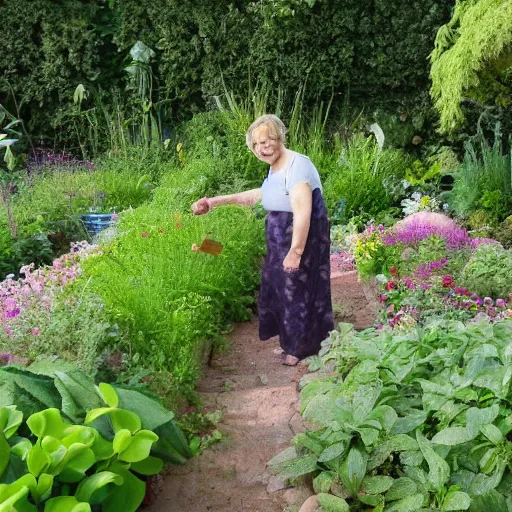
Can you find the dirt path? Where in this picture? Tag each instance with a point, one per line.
(259, 398)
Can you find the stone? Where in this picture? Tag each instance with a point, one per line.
(296, 424)
(310, 505)
(263, 379)
(276, 484)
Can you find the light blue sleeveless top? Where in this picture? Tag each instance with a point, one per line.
(275, 190)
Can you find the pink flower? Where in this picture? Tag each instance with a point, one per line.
(500, 303)
(10, 303)
(35, 331)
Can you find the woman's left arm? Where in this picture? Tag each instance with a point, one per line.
(301, 198)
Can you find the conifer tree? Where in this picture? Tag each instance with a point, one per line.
(472, 59)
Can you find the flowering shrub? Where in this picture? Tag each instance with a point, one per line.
(28, 304)
(431, 292)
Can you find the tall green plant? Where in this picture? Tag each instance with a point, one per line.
(484, 179)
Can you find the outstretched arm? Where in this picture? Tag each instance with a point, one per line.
(247, 198)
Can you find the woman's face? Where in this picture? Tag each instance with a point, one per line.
(266, 146)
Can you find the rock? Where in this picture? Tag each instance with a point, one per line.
(310, 505)
(263, 379)
(296, 425)
(276, 484)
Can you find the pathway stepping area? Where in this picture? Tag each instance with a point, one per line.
(259, 398)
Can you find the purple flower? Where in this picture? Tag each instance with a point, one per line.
(488, 301)
(12, 313)
(5, 358)
(500, 303)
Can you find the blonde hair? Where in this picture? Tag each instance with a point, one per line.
(272, 122)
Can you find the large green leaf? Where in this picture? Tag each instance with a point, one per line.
(353, 470)
(78, 394)
(323, 482)
(38, 461)
(151, 413)
(120, 418)
(453, 436)
(108, 394)
(28, 391)
(148, 466)
(298, 467)
(439, 471)
(79, 458)
(332, 451)
(47, 423)
(126, 497)
(139, 447)
(398, 443)
(482, 484)
(409, 504)
(93, 483)
(491, 501)
(10, 420)
(456, 500)
(66, 504)
(330, 503)
(172, 446)
(44, 487)
(376, 484)
(401, 488)
(5, 453)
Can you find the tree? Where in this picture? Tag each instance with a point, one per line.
(472, 59)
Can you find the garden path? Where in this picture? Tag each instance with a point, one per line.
(259, 398)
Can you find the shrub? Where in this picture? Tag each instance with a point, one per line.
(488, 271)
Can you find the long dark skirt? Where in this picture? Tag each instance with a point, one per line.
(297, 306)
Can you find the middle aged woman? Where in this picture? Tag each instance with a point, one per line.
(295, 294)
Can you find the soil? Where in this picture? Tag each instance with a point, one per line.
(259, 398)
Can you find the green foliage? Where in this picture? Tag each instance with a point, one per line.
(472, 57)
(169, 298)
(407, 421)
(332, 46)
(487, 273)
(73, 394)
(362, 177)
(78, 466)
(483, 180)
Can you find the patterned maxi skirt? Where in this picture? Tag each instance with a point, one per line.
(297, 306)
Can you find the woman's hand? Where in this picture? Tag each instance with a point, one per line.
(201, 207)
(291, 262)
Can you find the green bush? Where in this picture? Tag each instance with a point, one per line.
(360, 180)
(172, 300)
(483, 181)
(488, 271)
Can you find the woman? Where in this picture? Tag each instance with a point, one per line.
(295, 295)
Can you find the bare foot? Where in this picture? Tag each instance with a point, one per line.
(290, 360)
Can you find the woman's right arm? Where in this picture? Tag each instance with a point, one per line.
(247, 198)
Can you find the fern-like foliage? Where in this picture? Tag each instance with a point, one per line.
(473, 47)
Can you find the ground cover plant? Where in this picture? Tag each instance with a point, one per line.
(414, 420)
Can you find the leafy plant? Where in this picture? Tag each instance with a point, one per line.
(487, 272)
(407, 421)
